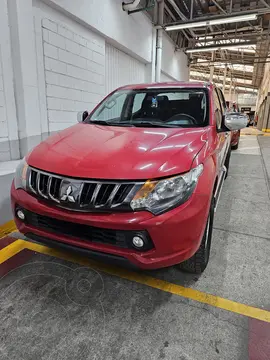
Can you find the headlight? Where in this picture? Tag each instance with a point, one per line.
(160, 196)
(21, 175)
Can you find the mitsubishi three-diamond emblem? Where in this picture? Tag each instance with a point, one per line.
(67, 196)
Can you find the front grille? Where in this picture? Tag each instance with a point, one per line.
(82, 195)
(119, 238)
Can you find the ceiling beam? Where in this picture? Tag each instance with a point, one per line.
(191, 9)
(216, 17)
(181, 15)
(236, 62)
(218, 6)
(231, 4)
(247, 75)
(231, 55)
(174, 19)
(265, 3)
(238, 30)
(229, 61)
(206, 78)
(236, 73)
(220, 46)
(263, 34)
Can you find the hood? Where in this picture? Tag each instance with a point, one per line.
(111, 152)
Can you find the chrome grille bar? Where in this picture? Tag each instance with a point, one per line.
(113, 193)
(42, 185)
(51, 196)
(33, 181)
(95, 194)
(88, 194)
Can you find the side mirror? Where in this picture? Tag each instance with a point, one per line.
(235, 121)
(81, 116)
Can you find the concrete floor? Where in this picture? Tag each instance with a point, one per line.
(51, 308)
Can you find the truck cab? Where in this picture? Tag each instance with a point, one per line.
(136, 181)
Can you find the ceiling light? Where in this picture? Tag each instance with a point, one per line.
(220, 46)
(201, 49)
(218, 21)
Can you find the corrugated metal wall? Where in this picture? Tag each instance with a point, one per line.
(122, 69)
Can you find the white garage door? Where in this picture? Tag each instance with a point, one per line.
(121, 69)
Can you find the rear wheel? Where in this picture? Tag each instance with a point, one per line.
(198, 262)
(235, 147)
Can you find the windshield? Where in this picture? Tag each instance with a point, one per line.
(185, 107)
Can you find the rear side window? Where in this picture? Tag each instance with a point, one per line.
(218, 110)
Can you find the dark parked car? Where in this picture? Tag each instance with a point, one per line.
(235, 139)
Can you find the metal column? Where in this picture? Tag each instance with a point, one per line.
(159, 40)
(224, 78)
(212, 67)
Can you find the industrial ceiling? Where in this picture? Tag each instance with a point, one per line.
(239, 49)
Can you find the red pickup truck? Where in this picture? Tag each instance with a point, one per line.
(138, 179)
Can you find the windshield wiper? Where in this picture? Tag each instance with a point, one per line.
(108, 123)
(133, 124)
(99, 122)
(152, 124)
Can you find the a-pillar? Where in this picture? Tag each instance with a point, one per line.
(25, 73)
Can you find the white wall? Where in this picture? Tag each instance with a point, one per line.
(74, 72)
(66, 55)
(122, 69)
(4, 144)
(132, 33)
(164, 77)
(174, 63)
(265, 86)
(72, 59)
(8, 120)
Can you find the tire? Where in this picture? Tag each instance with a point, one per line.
(235, 147)
(198, 262)
(227, 162)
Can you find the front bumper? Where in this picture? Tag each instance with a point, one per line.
(176, 234)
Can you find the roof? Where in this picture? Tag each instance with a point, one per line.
(171, 84)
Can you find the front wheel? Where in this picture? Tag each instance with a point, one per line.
(198, 262)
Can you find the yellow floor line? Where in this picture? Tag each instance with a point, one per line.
(140, 278)
(11, 250)
(7, 228)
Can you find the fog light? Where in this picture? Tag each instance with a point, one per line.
(138, 242)
(20, 214)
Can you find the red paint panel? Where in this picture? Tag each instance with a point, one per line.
(6, 241)
(259, 340)
(15, 261)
